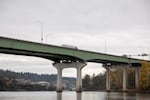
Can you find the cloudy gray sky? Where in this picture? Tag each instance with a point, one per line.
(113, 26)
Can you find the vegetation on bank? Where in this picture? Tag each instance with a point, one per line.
(10, 84)
(94, 82)
(145, 76)
(8, 80)
(98, 82)
(12, 81)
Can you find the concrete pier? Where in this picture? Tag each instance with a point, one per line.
(124, 86)
(59, 86)
(61, 66)
(137, 78)
(79, 78)
(108, 88)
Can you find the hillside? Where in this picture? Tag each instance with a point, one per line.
(31, 79)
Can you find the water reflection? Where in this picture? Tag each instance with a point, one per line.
(137, 96)
(59, 96)
(78, 96)
(118, 96)
(101, 95)
(67, 95)
(126, 96)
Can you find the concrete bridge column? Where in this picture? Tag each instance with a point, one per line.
(61, 66)
(137, 77)
(124, 87)
(79, 77)
(107, 79)
(59, 86)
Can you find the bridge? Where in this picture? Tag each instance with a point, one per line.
(64, 57)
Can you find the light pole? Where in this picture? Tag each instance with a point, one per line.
(41, 31)
(105, 47)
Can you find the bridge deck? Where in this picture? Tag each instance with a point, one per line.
(56, 53)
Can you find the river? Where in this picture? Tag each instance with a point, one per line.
(67, 95)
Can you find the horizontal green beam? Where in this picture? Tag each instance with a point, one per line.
(14, 46)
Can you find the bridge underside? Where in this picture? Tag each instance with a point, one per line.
(58, 57)
(109, 62)
(53, 57)
(57, 53)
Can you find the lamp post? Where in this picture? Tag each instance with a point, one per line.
(41, 31)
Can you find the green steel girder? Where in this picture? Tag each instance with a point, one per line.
(56, 53)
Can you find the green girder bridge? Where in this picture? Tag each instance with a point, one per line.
(58, 53)
(64, 57)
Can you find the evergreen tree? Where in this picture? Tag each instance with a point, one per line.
(86, 82)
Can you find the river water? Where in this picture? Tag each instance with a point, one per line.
(72, 96)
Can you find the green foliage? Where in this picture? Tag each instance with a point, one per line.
(86, 82)
(8, 81)
(94, 82)
(32, 76)
(99, 82)
(116, 79)
(145, 73)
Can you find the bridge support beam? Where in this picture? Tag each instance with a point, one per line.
(108, 79)
(79, 77)
(59, 86)
(124, 87)
(61, 66)
(137, 77)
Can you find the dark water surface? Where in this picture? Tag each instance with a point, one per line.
(72, 96)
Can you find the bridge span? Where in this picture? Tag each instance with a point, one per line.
(64, 57)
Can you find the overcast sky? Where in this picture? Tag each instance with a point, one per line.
(107, 26)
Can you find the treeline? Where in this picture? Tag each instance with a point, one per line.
(98, 82)
(94, 82)
(10, 84)
(14, 81)
(144, 79)
(32, 76)
(145, 76)
(116, 78)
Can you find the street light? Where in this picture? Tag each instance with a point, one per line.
(41, 31)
